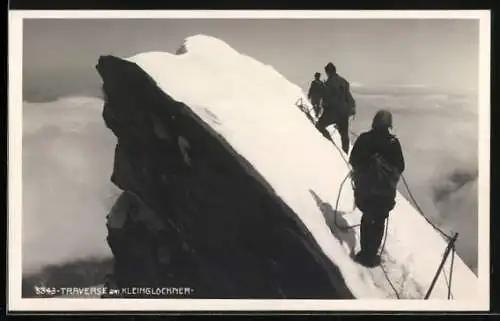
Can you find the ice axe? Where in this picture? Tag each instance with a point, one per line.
(299, 103)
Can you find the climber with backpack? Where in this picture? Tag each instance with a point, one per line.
(315, 93)
(377, 164)
(338, 106)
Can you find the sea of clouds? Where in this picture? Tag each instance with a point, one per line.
(67, 163)
(68, 159)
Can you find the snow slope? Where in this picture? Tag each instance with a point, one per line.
(252, 106)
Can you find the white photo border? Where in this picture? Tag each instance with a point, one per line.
(17, 303)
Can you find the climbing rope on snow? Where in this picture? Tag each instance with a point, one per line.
(450, 239)
(382, 267)
(449, 247)
(417, 206)
(345, 228)
(446, 236)
(382, 248)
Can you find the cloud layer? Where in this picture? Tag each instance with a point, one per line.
(67, 163)
(68, 159)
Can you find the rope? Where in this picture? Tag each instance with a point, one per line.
(382, 248)
(449, 247)
(446, 236)
(382, 267)
(343, 228)
(353, 226)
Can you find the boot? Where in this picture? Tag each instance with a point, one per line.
(376, 235)
(369, 239)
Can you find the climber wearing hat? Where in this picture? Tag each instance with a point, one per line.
(377, 164)
(338, 106)
(315, 93)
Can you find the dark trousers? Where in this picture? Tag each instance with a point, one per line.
(316, 106)
(316, 109)
(342, 123)
(372, 233)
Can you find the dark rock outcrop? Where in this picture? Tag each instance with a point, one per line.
(194, 214)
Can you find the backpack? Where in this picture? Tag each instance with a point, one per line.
(338, 95)
(376, 179)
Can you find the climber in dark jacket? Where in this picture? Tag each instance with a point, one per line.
(338, 106)
(377, 163)
(315, 93)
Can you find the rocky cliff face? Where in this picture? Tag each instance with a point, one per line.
(193, 213)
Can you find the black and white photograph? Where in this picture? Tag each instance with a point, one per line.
(197, 160)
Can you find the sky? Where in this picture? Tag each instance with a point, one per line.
(60, 54)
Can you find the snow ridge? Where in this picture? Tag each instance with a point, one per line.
(252, 106)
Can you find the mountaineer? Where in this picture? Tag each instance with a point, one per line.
(338, 106)
(315, 93)
(377, 164)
